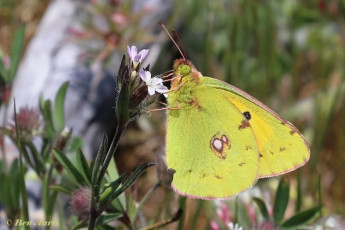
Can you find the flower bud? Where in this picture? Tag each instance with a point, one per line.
(81, 203)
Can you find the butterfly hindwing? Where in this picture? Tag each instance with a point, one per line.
(281, 147)
(210, 145)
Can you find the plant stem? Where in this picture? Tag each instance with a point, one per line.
(94, 213)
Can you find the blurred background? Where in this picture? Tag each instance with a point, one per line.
(289, 54)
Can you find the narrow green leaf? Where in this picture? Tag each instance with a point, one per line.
(301, 217)
(16, 51)
(48, 119)
(51, 204)
(69, 166)
(281, 201)
(15, 187)
(62, 188)
(59, 110)
(3, 73)
(119, 74)
(106, 218)
(79, 225)
(23, 192)
(74, 144)
(126, 184)
(39, 162)
(135, 175)
(111, 188)
(83, 166)
(105, 227)
(102, 151)
(5, 185)
(122, 103)
(262, 207)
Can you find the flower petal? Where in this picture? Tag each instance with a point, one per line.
(161, 89)
(145, 75)
(132, 52)
(143, 54)
(151, 90)
(157, 81)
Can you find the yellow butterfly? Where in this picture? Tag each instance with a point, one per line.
(220, 140)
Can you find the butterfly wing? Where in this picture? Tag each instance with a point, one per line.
(210, 145)
(282, 148)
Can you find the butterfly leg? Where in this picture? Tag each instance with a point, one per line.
(164, 109)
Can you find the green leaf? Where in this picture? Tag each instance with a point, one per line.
(135, 175)
(106, 218)
(120, 73)
(48, 119)
(21, 177)
(14, 187)
(262, 207)
(102, 151)
(108, 190)
(83, 166)
(79, 225)
(69, 166)
(4, 189)
(126, 184)
(301, 217)
(59, 110)
(62, 189)
(281, 201)
(51, 203)
(16, 51)
(122, 103)
(74, 144)
(3, 73)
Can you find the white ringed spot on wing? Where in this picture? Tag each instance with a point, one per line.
(219, 145)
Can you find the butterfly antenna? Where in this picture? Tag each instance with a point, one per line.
(180, 42)
(172, 39)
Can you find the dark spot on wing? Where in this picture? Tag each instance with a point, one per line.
(271, 152)
(244, 124)
(282, 149)
(189, 170)
(218, 177)
(248, 147)
(260, 155)
(247, 115)
(292, 131)
(241, 164)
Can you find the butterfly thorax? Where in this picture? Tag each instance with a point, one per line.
(186, 80)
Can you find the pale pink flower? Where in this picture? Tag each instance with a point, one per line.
(81, 202)
(154, 84)
(136, 57)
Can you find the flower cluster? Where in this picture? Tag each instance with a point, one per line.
(28, 121)
(154, 84)
(224, 214)
(81, 202)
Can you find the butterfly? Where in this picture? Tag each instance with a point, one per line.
(220, 140)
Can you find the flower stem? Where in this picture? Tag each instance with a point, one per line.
(94, 213)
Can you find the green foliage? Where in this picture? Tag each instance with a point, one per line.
(59, 110)
(281, 201)
(16, 52)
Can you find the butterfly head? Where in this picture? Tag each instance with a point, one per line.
(185, 71)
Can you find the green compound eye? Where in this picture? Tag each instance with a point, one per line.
(185, 70)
